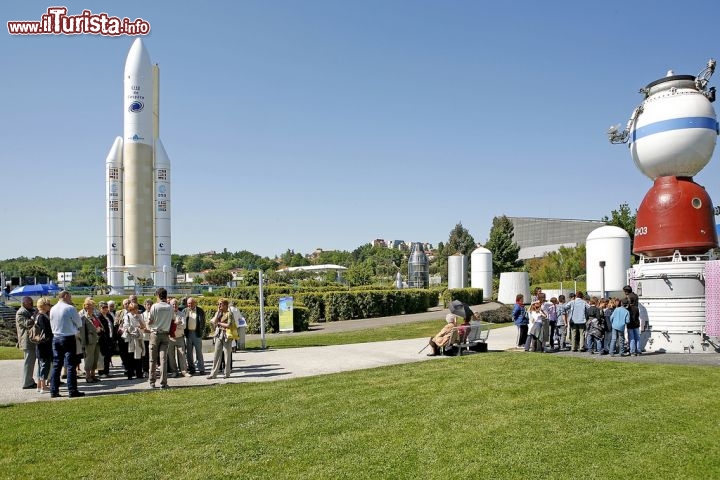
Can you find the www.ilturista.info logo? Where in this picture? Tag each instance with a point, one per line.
(57, 22)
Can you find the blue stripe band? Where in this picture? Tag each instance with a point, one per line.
(675, 124)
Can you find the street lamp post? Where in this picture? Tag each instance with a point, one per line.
(602, 278)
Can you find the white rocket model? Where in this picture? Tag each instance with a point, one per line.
(138, 182)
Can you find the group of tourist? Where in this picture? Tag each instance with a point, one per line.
(585, 324)
(154, 340)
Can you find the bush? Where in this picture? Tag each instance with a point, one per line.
(471, 296)
(252, 317)
(502, 314)
(315, 304)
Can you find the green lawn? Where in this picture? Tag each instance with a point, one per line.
(494, 415)
(11, 353)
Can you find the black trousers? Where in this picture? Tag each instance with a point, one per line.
(522, 335)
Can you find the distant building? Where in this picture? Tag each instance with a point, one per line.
(64, 278)
(537, 237)
(318, 269)
(189, 277)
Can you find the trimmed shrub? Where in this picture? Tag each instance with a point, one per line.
(502, 314)
(272, 319)
(471, 296)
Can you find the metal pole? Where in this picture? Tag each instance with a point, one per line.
(602, 280)
(262, 310)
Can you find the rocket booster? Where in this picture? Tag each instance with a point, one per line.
(138, 181)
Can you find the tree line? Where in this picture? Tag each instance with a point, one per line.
(366, 265)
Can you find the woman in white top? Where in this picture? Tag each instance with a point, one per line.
(133, 329)
(536, 325)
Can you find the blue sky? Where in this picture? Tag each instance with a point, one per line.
(306, 124)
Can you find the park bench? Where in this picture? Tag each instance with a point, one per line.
(476, 338)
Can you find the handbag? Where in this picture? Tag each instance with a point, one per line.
(36, 334)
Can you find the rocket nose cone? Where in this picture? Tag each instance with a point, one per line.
(137, 58)
(115, 154)
(161, 156)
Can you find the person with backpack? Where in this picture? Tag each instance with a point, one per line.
(42, 338)
(594, 328)
(24, 320)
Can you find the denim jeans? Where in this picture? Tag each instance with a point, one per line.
(64, 348)
(618, 338)
(596, 340)
(634, 340)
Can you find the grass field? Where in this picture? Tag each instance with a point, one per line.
(499, 415)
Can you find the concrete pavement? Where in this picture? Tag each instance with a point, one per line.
(270, 365)
(257, 366)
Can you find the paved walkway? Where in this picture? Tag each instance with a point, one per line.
(270, 365)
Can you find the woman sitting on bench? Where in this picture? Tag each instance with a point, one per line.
(443, 338)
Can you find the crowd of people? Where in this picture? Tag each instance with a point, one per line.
(155, 340)
(582, 323)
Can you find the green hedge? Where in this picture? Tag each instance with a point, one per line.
(329, 303)
(378, 303)
(471, 296)
(252, 316)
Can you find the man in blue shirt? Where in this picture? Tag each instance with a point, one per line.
(65, 322)
(577, 316)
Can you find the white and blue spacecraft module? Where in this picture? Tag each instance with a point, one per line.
(672, 136)
(138, 182)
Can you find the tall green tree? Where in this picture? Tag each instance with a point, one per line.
(218, 277)
(567, 263)
(624, 218)
(292, 259)
(502, 245)
(88, 276)
(459, 241)
(359, 274)
(194, 263)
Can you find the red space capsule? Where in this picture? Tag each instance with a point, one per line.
(676, 214)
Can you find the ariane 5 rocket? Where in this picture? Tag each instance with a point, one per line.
(138, 182)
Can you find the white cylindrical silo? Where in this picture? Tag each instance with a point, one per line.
(457, 271)
(607, 260)
(511, 284)
(481, 271)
